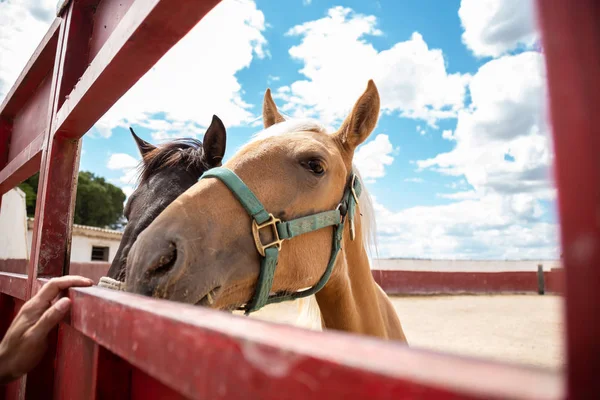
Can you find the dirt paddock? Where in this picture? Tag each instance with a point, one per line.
(524, 329)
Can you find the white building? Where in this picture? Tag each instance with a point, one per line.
(16, 232)
(89, 243)
(13, 225)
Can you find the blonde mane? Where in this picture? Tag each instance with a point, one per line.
(308, 314)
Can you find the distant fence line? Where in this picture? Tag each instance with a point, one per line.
(398, 276)
(403, 282)
(441, 265)
(395, 282)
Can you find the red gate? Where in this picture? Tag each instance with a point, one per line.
(123, 346)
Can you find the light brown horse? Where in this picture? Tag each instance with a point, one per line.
(201, 248)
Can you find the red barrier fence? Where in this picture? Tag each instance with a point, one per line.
(92, 270)
(425, 282)
(124, 346)
(393, 282)
(437, 282)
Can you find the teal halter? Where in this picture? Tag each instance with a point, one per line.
(285, 231)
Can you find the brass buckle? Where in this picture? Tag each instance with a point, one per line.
(272, 221)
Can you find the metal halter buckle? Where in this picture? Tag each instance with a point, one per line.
(272, 221)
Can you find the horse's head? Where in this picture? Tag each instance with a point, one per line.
(201, 249)
(166, 172)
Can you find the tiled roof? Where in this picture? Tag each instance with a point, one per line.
(87, 230)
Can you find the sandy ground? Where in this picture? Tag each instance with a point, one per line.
(524, 329)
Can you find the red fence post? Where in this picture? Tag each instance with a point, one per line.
(42, 376)
(51, 242)
(60, 163)
(571, 42)
(5, 131)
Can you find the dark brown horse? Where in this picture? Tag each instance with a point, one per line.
(166, 172)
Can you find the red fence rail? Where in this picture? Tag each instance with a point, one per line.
(125, 346)
(438, 282)
(393, 282)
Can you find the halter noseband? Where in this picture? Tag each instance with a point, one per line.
(286, 230)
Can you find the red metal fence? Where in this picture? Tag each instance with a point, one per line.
(125, 346)
(394, 282)
(436, 282)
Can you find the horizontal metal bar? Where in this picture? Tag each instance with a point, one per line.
(207, 354)
(41, 61)
(14, 285)
(25, 164)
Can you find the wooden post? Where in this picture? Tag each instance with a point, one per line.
(540, 276)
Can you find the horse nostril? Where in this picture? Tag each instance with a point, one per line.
(166, 262)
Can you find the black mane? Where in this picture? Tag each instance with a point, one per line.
(187, 153)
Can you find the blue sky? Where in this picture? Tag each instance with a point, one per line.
(459, 164)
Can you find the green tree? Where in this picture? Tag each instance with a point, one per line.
(30, 188)
(98, 203)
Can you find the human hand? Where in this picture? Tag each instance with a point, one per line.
(25, 341)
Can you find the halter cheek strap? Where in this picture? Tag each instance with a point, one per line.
(281, 231)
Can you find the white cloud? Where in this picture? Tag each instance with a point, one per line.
(414, 180)
(128, 178)
(507, 116)
(497, 210)
(121, 161)
(196, 78)
(456, 185)
(23, 24)
(495, 27)
(372, 157)
(306, 2)
(483, 228)
(128, 190)
(471, 194)
(448, 135)
(127, 165)
(338, 61)
(176, 129)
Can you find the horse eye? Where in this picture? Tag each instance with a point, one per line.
(316, 167)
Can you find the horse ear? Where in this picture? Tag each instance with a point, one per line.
(357, 126)
(143, 146)
(214, 142)
(270, 114)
